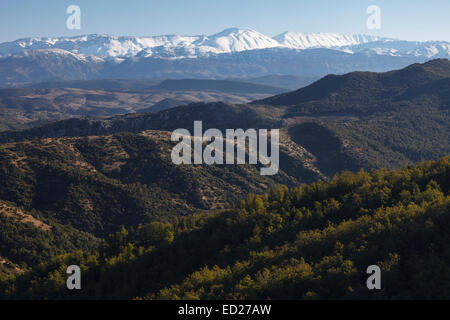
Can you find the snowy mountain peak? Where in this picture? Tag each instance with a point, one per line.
(232, 30)
(235, 40)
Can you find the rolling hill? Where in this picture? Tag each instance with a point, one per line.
(46, 102)
(372, 119)
(357, 91)
(226, 86)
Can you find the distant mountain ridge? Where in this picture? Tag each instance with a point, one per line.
(227, 41)
(232, 53)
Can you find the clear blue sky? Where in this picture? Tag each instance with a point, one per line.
(405, 19)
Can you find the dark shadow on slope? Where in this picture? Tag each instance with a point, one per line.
(325, 146)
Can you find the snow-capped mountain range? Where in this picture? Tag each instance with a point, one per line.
(228, 41)
(232, 53)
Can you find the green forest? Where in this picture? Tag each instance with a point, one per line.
(309, 242)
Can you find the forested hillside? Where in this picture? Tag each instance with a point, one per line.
(99, 183)
(309, 242)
